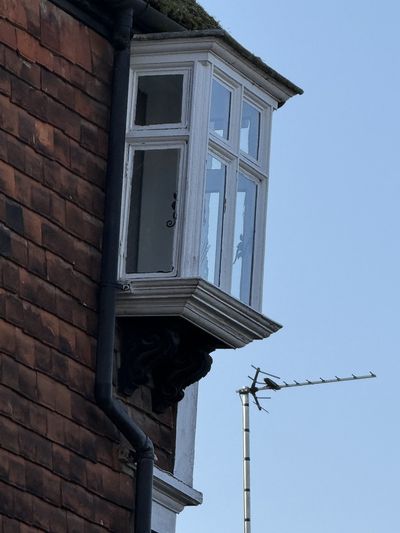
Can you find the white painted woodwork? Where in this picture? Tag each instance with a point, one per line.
(201, 303)
(170, 497)
(200, 59)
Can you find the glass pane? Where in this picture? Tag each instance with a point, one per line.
(152, 215)
(250, 130)
(220, 109)
(245, 218)
(159, 100)
(212, 223)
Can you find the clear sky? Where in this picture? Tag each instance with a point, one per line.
(326, 459)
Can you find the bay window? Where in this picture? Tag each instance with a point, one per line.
(195, 188)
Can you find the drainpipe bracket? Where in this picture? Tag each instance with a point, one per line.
(127, 456)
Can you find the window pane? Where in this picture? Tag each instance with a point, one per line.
(220, 109)
(159, 100)
(152, 215)
(212, 223)
(250, 130)
(242, 268)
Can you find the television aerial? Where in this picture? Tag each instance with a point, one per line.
(268, 383)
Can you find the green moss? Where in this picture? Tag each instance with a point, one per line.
(188, 13)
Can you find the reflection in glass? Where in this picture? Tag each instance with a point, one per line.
(246, 196)
(152, 212)
(212, 222)
(220, 109)
(159, 100)
(250, 130)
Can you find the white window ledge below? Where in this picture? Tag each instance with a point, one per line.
(200, 303)
(170, 496)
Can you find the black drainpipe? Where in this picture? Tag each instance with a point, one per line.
(112, 407)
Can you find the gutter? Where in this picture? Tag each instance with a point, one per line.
(113, 408)
(99, 15)
(147, 16)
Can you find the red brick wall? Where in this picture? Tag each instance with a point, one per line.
(59, 465)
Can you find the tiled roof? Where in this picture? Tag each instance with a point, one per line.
(187, 19)
(188, 13)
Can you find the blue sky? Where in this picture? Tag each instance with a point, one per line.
(326, 459)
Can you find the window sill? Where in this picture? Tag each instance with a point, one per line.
(170, 496)
(200, 303)
(173, 493)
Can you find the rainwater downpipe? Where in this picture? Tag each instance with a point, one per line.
(112, 407)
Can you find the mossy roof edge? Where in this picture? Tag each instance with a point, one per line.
(188, 13)
(226, 37)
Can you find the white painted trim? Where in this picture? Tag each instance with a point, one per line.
(170, 497)
(166, 485)
(261, 163)
(195, 176)
(161, 71)
(126, 194)
(146, 136)
(229, 150)
(234, 323)
(167, 143)
(205, 45)
(186, 435)
(223, 78)
(259, 245)
(201, 60)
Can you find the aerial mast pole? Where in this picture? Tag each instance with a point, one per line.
(255, 387)
(244, 397)
(244, 394)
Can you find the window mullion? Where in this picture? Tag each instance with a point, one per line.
(259, 244)
(237, 118)
(125, 205)
(229, 220)
(230, 193)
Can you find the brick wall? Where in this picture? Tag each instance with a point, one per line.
(59, 456)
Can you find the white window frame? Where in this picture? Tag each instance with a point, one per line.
(226, 160)
(148, 145)
(134, 129)
(194, 131)
(234, 88)
(155, 137)
(265, 114)
(228, 150)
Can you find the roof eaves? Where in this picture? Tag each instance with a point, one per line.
(186, 13)
(268, 72)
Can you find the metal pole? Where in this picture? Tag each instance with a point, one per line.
(244, 393)
(244, 397)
